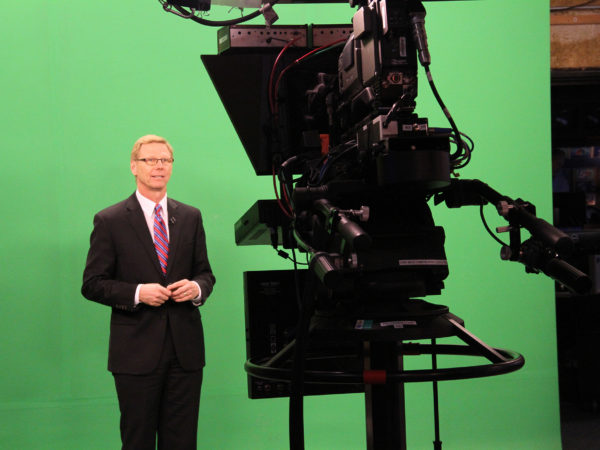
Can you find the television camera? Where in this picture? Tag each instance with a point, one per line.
(329, 112)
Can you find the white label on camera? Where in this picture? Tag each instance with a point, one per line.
(422, 262)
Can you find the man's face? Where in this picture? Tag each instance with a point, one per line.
(152, 179)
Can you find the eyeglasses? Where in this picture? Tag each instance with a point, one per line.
(154, 161)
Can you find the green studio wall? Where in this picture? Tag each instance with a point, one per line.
(81, 81)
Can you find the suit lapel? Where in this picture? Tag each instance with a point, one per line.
(138, 223)
(175, 224)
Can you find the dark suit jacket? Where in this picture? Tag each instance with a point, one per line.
(121, 256)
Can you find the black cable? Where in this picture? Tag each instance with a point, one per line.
(333, 157)
(471, 142)
(496, 238)
(286, 185)
(298, 263)
(218, 23)
(459, 142)
(214, 23)
(293, 259)
(468, 146)
(297, 279)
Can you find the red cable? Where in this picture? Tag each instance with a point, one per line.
(287, 200)
(287, 213)
(274, 107)
(288, 45)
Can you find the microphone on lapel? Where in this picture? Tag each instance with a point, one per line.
(172, 220)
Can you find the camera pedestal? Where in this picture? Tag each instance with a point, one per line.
(385, 339)
(385, 344)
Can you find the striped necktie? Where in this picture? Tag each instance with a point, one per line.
(161, 240)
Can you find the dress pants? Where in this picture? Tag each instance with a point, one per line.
(163, 403)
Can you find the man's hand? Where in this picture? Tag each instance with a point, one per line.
(154, 294)
(183, 290)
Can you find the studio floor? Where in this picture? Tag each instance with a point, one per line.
(580, 427)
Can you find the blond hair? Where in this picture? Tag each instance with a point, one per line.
(148, 139)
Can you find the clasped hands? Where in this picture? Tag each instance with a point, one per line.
(154, 294)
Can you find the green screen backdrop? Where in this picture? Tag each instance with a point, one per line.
(82, 80)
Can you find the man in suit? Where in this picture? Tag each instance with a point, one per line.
(148, 262)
